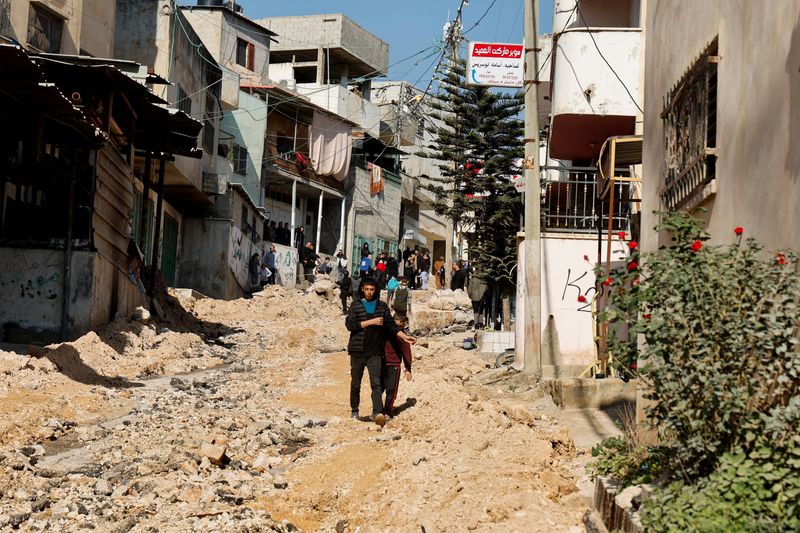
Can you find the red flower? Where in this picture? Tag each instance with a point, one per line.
(635, 282)
(646, 316)
(633, 265)
(696, 245)
(780, 259)
(468, 166)
(621, 234)
(634, 366)
(608, 281)
(633, 245)
(738, 230)
(582, 298)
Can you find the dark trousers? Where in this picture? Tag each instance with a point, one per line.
(344, 303)
(391, 382)
(308, 272)
(373, 364)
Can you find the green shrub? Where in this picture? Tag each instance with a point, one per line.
(719, 325)
(755, 493)
(625, 461)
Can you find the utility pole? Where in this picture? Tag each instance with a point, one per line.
(532, 245)
(455, 42)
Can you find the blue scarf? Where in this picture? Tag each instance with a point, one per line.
(369, 307)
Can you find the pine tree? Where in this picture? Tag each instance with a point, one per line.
(478, 148)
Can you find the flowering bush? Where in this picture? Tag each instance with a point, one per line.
(717, 353)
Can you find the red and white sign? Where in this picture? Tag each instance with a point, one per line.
(496, 64)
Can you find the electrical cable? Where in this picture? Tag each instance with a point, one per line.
(481, 18)
(577, 5)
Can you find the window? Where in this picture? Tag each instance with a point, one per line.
(239, 160)
(245, 54)
(690, 135)
(245, 219)
(184, 103)
(44, 30)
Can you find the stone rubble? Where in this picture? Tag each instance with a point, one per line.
(145, 428)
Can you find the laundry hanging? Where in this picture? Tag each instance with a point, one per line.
(375, 178)
(331, 146)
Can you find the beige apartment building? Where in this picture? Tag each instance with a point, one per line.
(72, 27)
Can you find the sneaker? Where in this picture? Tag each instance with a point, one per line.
(380, 419)
(354, 415)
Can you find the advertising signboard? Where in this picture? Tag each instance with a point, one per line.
(495, 64)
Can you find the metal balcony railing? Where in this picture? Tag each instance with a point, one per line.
(572, 205)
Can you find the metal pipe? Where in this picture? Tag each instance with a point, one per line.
(292, 217)
(341, 224)
(319, 218)
(157, 228)
(67, 282)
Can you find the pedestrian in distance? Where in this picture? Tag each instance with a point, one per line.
(366, 265)
(266, 274)
(392, 268)
(365, 251)
(423, 280)
(397, 352)
(254, 271)
(438, 273)
(380, 267)
(341, 263)
(391, 286)
(269, 259)
(370, 325)
(309, 259)
(345, 288)
(457, 280)
(401, 299)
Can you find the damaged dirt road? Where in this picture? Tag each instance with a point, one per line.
(237, 420)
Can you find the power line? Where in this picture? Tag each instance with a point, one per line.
(577, 5)
(481, 18)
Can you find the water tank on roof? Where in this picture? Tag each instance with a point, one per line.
(213, 2)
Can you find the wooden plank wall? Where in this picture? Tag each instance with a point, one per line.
(113, 203)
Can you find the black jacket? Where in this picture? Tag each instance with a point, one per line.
(457, 280)
(358, 314)
(346, 284)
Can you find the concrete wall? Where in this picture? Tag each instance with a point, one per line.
(373, 216)
(286, 259)
(220, 30)
(567, 325)
(758, 112)
(97, 27)
(204, 256)
(579, 70)
(32, 291)
(248, 125)
(334, 31)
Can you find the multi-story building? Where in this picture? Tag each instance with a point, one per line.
(593, 66)
(332, 61)
(220, 223)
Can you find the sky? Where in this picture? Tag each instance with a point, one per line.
(410, 26)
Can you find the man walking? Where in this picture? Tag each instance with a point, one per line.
(269, 260)
(457, 281)
(309, 260)
(370, 325)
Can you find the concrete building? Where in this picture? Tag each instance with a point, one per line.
(405, 115)
(734, 69)
(72, 27)
(594, 68)
(201, 190)
(331, 60)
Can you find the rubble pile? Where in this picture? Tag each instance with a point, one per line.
(140, 427)
(441, 311)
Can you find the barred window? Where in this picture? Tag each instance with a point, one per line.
(690, 134)
(44, 30)
(239, 160)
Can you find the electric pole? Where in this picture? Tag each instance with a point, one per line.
(454, 42)
(531, 246)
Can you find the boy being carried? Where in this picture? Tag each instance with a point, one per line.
(396, 349)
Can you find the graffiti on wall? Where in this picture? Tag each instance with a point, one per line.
(582, 284)
(240, 248)
(286, 259)
(38, 278)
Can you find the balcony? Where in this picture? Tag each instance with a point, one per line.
(571, 205)
(589, 103)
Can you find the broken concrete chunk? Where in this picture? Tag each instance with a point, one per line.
(213, 452)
